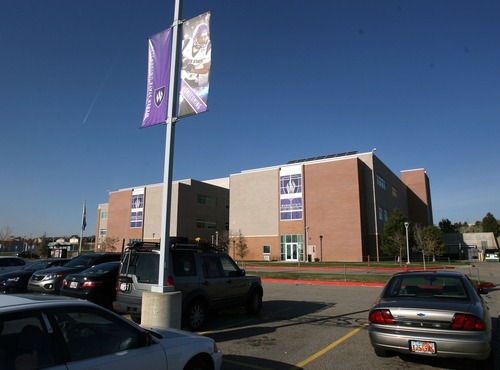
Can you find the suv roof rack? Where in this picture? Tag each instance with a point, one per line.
(176, 243)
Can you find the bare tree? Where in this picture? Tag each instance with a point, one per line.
(5, 233)
(398, 241)
(108, 244)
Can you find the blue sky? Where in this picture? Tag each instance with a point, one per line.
(418, 80)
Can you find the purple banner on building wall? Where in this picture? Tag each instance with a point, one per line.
(291, 207)
(160, 51)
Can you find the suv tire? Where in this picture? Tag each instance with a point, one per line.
(254, 303)
(196, 315)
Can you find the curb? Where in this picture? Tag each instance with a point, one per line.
(323, 282)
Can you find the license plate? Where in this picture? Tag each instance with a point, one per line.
(73, 285)
(418, 346)
(124, 287)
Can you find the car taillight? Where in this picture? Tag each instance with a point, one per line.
(381, 317)
(466, 322)
(91, 284)
(170, 281)
(65, 282)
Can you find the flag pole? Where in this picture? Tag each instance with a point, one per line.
(84, 224)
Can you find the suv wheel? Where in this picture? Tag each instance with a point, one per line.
(195, 315)
(254, 303)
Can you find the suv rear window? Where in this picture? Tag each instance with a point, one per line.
(143, 265)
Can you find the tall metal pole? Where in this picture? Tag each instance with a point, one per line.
(169, 155)
(407, 244)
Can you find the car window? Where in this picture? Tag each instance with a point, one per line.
(184, 263)
(212, 267)
(102, 268)
(144, 266)
(229, 266)
(90, 334)
(426, 286)
(25, 343)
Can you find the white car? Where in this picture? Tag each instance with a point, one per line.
(51, 332)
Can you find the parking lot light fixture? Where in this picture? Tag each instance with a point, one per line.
(407, 244)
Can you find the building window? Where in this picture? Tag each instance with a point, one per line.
(207, 200)
(102, 233)
(133, 240)
(136, 219)
(381, 182)
(266, 249)
(394, 192)
(104, 215)
(208, 225)
(383, 214)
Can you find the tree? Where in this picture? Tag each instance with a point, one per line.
(393, 239)
(241, 246)
(43, 249)
(446, 226)
(224, 241)
(5, 233)
(108, 244)
(428, 240)
(490, 225)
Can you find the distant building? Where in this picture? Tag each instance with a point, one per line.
(329, 208)
(199, 209)
(468, 246)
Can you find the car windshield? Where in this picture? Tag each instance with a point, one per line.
(102, 268)
(37, 265)
(428, 285)
(80, 261)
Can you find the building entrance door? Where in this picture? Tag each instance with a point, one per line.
(291, 252)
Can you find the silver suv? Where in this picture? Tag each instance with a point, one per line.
(209, 281)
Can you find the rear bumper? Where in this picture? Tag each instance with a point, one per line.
(458, 344)
(128, 305)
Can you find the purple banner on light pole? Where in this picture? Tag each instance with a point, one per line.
(160, 51)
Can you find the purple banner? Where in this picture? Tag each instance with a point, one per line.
(195, 66)
(160, 51)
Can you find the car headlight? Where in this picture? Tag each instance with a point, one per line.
(13, 279)
(52, 276)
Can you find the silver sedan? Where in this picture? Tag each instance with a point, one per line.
(431, 313)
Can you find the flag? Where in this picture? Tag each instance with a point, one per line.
(160, 51)
(84, 216)
(195, 66)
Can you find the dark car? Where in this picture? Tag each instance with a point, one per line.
(27, 254)
(17, 281)
(96, 284)
(438, 314)
(50, 280)
(208, 279)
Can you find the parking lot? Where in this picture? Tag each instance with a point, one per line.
(306, 326)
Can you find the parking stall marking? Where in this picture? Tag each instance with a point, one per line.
(328, 348)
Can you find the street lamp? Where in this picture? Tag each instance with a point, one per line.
(321, 247)
(407, 245)
(307, 244)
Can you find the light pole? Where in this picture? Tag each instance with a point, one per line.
(407, 245)
(307, 244)
(321, 247)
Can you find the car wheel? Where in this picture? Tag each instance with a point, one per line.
(195, 315)
(197, 364)
(254, 304)
(136, 318)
